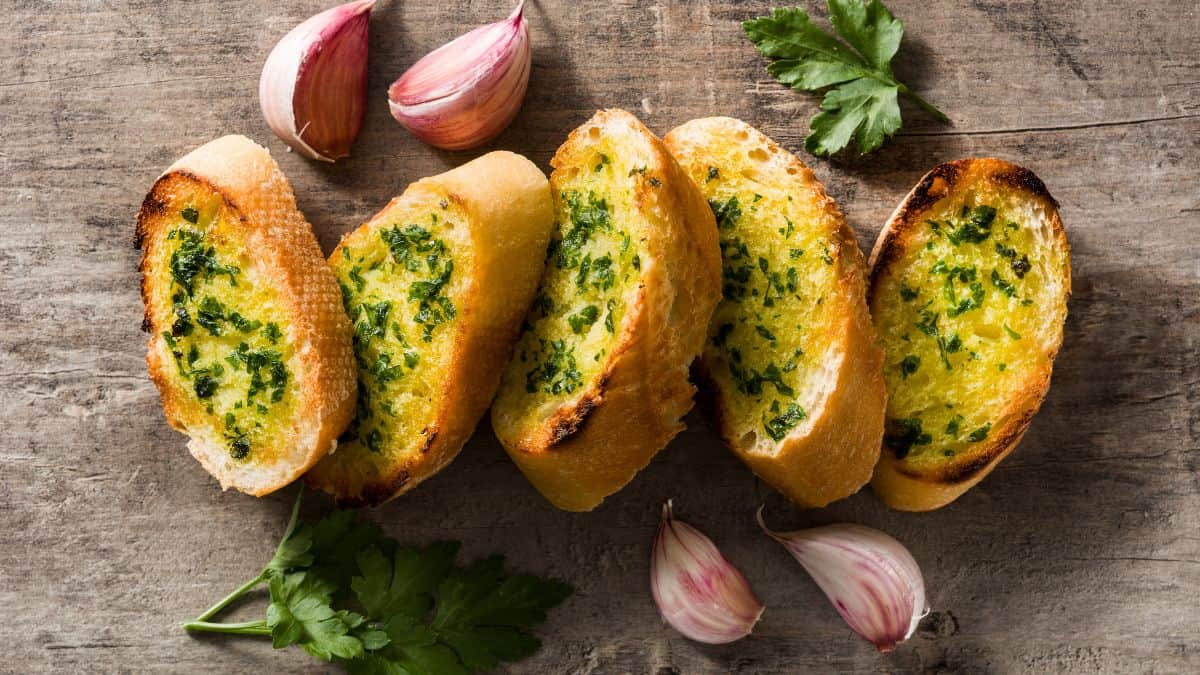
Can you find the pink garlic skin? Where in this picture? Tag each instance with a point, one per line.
(466, 92)
(699, 593)
(313, 88)
(871, 579)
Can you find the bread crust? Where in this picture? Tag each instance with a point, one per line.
(834, 456)
(286, 252)
(900, 485)
(585, 451)
(510, 216)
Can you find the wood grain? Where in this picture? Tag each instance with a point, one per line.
(1080, 554)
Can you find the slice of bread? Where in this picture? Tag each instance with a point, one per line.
(436, 285)
(249, 346)
(599, 382)
(969, 286)
(791, 375)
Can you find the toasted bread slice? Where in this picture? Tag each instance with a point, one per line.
(436, 285)
(791, 375)
(969, 286)
(249, 346)
(599, 382)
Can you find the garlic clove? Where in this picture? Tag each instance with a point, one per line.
(313, 88)
(699, 593)
(871, 579)
(464, 93)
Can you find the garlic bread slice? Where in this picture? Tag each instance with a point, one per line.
(599, 382)
(436, 285)
(249, 347)
(969, 289)
(791, 374)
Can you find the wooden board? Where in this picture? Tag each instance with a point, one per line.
(1080, 554)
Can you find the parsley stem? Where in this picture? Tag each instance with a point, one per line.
(246, 628)
(925, 105)
(227, 600)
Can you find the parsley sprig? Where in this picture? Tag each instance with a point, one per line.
(861, 101)
(342, 591)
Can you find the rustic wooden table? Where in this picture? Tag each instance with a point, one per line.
(1081, 553)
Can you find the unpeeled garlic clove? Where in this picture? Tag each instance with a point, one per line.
(313, 88)
(700, 593)
(871, 579)
(467, 91)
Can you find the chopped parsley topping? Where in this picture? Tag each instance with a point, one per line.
(712, 175)
(557, 372)
(587, 215)
(903, 434)
(826, 257)
(973, 227)
(1021, 267)
(750, 381)
(980, 433)
(205, 386)
(193, 264)
(778, 426)
(193, 260)
(1005, 287)
(945, 344)
(584, 318)
(909, 365)
(952, 426)
(260, 363)
(727, 213)
(959, 274)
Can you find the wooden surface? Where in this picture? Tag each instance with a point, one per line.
(1080, 554)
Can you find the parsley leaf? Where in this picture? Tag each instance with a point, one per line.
(301, 613)
(482, 613)
(861, 101)
(342, 591)
(402, 584)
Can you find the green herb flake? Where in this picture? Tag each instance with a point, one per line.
(777, 427)
(1012, 333)
(909, 365)
(1021, 267)
(727, 213)
(826, 256)
(974, 227)
(195, 261)
(583, 319)
(980, 433)
(1005, 287)
(953, 425)
(902, 434)
(556, 372)
(205, 386)
(713, 174)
